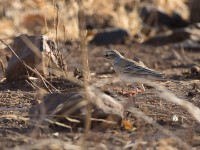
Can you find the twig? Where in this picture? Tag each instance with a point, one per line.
(57, 22)
(85, 64)
(45, 81)
(64, 32)
(58, 54)
(31, 84)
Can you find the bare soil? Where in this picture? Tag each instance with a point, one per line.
(16, 133)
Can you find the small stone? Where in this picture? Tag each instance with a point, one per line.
(111, 36)
(174, 118)
(195, 70)
(56, 134)
(73, 105)
(36, 51)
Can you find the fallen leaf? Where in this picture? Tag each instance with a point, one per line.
(126, 124)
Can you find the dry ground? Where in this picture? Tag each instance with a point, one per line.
(38, 17)
(16, 133)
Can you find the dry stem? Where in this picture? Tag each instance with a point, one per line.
(84, 49)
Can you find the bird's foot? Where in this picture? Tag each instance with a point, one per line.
(132, 93)
(140, 91)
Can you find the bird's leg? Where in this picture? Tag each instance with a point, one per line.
(142, 89)
(134, 92)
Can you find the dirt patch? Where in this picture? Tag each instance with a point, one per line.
(17, 133)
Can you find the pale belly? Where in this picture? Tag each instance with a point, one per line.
(132, 79)
(127, 78)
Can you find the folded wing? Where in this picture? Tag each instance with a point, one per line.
(141, 70)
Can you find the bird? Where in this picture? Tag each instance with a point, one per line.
(128, 69)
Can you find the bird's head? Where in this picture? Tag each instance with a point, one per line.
(112, 55)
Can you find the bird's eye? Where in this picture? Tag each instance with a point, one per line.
(107, 55)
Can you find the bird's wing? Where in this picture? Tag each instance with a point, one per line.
(137, 69)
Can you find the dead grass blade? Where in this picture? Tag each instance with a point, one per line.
(45, 82)
(103, 120)
(83, 47)
(57, 123)
(32, 84)
(72, 120)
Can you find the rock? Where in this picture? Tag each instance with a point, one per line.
(187, 37)
(111, 36)
(194, 11)
(78, 73)
(195, 69)
(194, 72)
(168, 38)
(160, 18)
(36, 51)
(73, 105)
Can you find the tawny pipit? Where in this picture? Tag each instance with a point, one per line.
(128, 69)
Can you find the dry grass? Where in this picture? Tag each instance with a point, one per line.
(39, 17)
